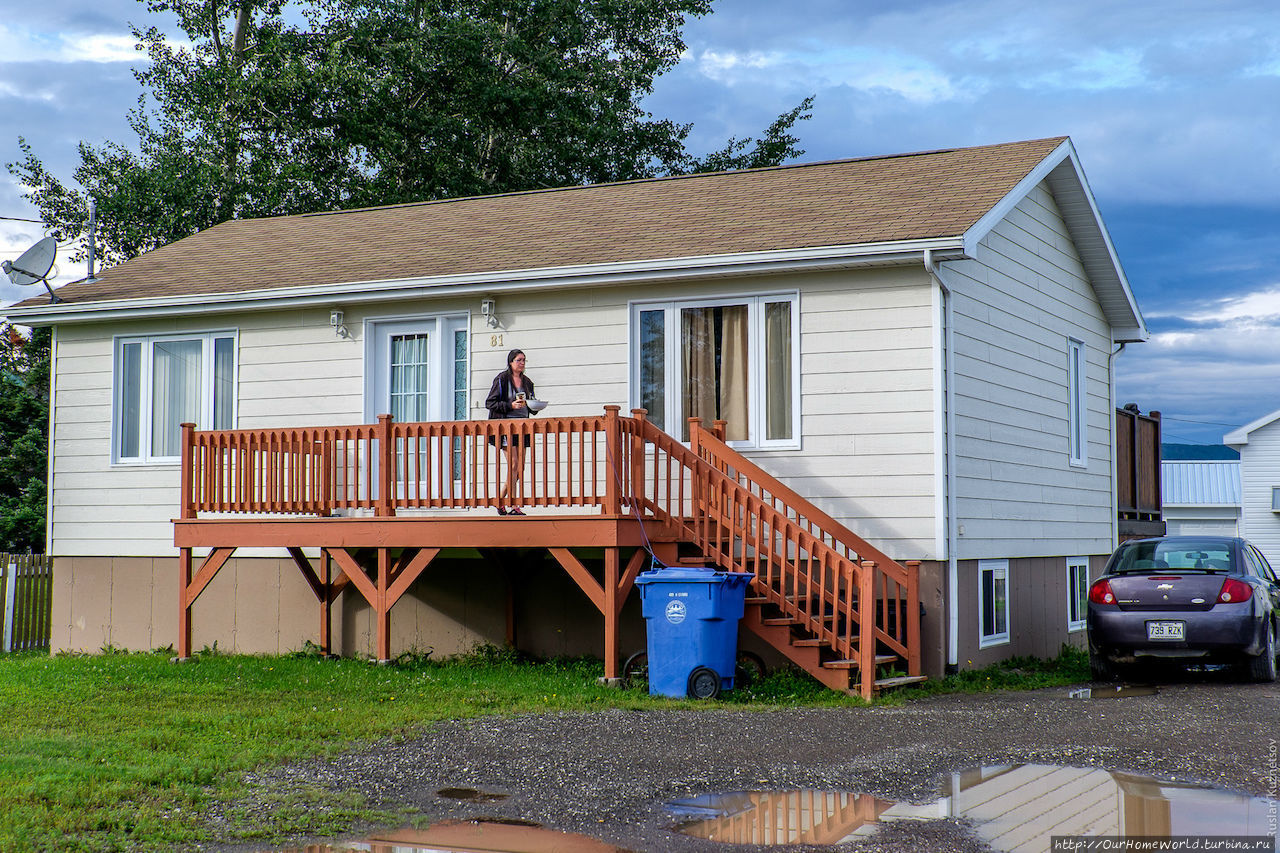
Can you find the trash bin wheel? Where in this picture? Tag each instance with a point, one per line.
(635, 672)
(704, 683)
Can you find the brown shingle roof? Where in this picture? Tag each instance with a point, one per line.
(848, 202)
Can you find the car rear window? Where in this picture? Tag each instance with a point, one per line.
(1148, 556)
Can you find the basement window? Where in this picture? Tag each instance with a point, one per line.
(164, 381)
(993, 602)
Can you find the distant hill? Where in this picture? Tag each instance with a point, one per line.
(1198, 452)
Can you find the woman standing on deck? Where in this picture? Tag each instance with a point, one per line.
(508, 398)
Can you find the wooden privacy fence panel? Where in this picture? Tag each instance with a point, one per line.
(26, 598)
(1138, 465)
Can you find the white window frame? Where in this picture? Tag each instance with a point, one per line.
(1275, 498)
(1077, 589)
(205, 420)
(1077, 412)
(673, 417)
(1000, 637)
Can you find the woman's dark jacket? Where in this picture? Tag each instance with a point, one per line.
(502, 393)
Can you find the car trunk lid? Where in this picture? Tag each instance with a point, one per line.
(1166, 591)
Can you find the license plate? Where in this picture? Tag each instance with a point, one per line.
(1166, 630)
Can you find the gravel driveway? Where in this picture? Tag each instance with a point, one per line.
(608, 774)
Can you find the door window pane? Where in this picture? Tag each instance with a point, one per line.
(223, 382)
(409, 378)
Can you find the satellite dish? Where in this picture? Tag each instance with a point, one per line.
(33, 265)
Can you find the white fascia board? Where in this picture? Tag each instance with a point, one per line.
(1241, 435)
(501, 281)
(1133, 332)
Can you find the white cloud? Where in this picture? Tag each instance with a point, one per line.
(24, 44)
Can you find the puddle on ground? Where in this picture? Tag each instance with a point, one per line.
(1011, 807)
(1114, 691)
(470, 795)
(470, 836)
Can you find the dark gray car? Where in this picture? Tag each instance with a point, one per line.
(1185, 599)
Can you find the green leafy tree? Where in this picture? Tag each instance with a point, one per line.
(24, 438)
(352, 103)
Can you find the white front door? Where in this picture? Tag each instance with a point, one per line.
(418, 370)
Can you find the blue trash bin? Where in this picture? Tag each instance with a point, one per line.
(691, 621)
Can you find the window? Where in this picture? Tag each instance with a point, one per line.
(735, 360)
(162, 382)
(993, 602)
(1077, 592)
(1275, 498)
(1076, 413)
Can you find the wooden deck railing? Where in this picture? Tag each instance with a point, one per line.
(828, 580)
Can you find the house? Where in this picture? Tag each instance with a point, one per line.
(1200, 485)
(911, 355)
(1259, 446)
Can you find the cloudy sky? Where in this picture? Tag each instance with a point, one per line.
(1172, 106)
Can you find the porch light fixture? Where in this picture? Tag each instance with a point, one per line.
(488, 309)
(335, 320)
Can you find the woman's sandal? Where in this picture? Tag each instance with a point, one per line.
(501, 511)
(515, 511)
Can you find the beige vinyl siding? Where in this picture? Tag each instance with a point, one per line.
(1015, 307)
(867, 406)
(1259, 473)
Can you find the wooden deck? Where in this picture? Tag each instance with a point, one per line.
(380, 500)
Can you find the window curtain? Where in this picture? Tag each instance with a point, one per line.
(777, 390)
(223, 383)
(409, 380)
(653, 364)
(175, 393)
(714, 355)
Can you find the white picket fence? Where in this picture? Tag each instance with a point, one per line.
(26, 598)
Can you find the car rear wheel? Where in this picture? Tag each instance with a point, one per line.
(1101, 668)
(1263, 667)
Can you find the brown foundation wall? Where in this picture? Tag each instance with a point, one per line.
(263, 606)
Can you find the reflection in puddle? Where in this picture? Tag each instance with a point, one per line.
(778, 817)
(1014, 807)
(1114, 691)
(470, 836)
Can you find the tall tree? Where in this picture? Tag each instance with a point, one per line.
(24, 437)
(371, 102)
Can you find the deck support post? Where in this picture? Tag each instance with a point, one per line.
(326, 602)
(611, 607)
(184, 608)
(382, 606)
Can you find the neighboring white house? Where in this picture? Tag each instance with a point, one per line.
(1259, 446)
(1200, 488)
(921, 344)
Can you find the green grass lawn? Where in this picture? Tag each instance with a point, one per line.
(124, 751)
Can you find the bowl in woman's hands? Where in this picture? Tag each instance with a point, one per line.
(535, 405)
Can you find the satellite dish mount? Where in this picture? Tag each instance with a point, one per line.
(33, 266)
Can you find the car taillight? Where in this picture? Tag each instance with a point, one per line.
(1233, 591)
(1100, 592)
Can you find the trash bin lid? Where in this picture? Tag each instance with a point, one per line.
(681, 574)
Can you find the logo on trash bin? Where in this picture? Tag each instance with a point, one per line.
(675, 612)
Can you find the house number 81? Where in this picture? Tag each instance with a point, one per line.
(495, 340)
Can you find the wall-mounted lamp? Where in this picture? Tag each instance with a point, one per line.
(335, 320)
(488, 309)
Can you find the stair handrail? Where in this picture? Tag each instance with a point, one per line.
(713, 450)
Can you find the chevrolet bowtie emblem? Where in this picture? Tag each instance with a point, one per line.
(1165, 586)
